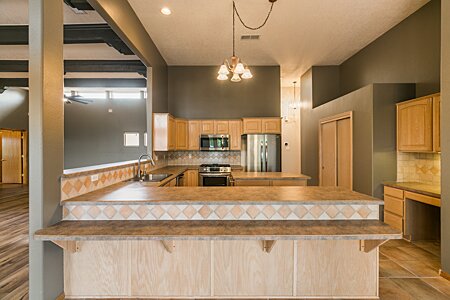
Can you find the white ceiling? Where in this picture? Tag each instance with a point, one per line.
(15, 12)
(299, 34)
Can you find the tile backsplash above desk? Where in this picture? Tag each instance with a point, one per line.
(419, 167)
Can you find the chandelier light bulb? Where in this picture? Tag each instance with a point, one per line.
(247, 74)
(222, 77)
(239, 69)
(236, 77)
(223, 70)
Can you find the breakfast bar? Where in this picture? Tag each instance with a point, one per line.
(133, 240)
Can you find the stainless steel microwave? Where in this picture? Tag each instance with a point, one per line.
(215, 142)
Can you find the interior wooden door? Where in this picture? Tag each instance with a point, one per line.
(328, 154)
(11, 156)
(344, 153)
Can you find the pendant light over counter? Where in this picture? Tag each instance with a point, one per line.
(235, 66)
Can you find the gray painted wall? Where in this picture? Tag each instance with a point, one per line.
(14, 109)
(374, 154)
(325, 84)
(408, 53)
(445, 138)
(194, 92)
(94, 136)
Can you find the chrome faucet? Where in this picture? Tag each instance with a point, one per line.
(138, 175)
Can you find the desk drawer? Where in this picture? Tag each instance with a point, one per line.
(393, 192)
(393, 205)
(393, 220)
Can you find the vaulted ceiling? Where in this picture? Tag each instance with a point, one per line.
(300, 33)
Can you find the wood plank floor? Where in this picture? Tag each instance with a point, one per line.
(13, 242)
(407, 270)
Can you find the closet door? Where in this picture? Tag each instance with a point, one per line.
(328, 168)
(344, 153)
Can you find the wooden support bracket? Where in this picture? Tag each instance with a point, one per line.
(268, 245)
(70, 246)
(369, 245)
(168, 245)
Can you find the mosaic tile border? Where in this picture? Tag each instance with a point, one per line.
(220, 212)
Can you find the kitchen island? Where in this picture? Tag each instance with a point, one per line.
(133, 240)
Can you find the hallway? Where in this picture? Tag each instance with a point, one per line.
(13, 241)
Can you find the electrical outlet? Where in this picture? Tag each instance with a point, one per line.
(94, 177)
(190, 156)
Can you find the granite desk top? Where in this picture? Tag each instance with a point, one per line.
(239, 175)
(141, 193)
(218, 230)
(417, 187)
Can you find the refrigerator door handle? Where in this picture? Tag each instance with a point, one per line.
(262, 156)
(267, 157)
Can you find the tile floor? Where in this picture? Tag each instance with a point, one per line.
(410, 271)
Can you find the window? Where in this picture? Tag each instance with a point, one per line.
(131, 139)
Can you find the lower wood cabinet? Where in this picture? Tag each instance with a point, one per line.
(221, 269)
(191, 178)
(267, 182)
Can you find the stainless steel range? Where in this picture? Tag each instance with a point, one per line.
(214, 175)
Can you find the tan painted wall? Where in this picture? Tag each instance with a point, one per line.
(290, 155)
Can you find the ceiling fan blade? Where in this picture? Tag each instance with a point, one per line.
(81, 101)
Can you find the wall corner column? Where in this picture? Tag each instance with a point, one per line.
(46, 121)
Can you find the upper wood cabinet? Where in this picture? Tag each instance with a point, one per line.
(194, 134)
(221, 127)
(235, 128)
(417, 125)
(181, 134)
(262, 125)
(164, 132)
(207, 127)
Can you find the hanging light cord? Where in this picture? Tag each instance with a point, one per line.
(247, 26)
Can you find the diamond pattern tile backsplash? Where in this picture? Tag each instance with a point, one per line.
(419, 167)
(177, 158)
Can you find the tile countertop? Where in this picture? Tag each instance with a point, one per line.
(268, 175)
(416, 187)
(139, 193)
(218, 230)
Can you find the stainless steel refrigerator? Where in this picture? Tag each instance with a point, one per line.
(261, 152)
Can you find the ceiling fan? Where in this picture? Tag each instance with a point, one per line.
(75, 97)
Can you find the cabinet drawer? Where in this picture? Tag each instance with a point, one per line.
(393, 220)
(393, 205)
(393, 192)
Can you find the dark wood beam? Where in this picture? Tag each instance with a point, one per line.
(73, 34)
(82, 82)
(87, 66)
(79, 4)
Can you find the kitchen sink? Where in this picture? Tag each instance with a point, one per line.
(153, 177)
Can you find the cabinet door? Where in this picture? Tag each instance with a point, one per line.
(235, 134)
(172, 134)
(344, 153)
(160, 132)
(181, 134)
(415, 126)
(252, 126)
(437, 123)
(191, 178)
(207, 127)
(221, 127)
(194, 134)
(272, 125)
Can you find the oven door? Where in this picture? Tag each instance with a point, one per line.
(214, 143)
(214, 179)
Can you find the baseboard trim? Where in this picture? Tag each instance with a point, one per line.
(444, 274)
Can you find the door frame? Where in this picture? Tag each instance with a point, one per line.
(335, 118)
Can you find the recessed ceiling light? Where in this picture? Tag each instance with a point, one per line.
(166, 11)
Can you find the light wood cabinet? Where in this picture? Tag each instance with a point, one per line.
(261, 125)
(194, 134)
(207, 127)
(235, 128)
(437, 123)
(191, 178)
(164, 132)
(415, 125)
(252, 125)
(181, 134)
(270, 182)
(271, 125)
(221, 127)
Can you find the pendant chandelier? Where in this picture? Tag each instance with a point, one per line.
(235, 66)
